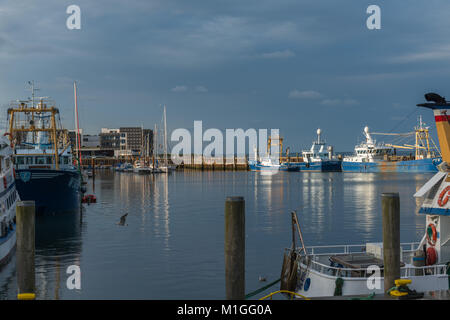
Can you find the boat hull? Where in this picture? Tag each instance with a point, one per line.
(416, 166)
(321, 166)
(323, 285)
(53, 191)
(7, 246)
(257, 166)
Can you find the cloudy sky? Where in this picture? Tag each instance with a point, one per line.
(295, 65)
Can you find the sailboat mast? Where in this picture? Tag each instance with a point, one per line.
(155, 141)
(77, 124)
(165, 138)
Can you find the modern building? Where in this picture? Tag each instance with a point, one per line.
(134, 138)
(73, 137)
(110, 139)
(90, 141)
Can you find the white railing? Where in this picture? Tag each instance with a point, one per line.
(406, 271)
(351, 248)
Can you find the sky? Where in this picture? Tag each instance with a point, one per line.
(293, 65)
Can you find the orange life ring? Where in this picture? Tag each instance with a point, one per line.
(441, 200)
(431, 256)
(431, 234)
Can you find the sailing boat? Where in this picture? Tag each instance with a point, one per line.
(155, 166)
(140, 166)
(77, 155)
(166, 167)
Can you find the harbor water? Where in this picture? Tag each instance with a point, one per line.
(172, 244)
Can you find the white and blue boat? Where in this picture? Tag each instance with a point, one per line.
(270, 162)
(8, 199)
(371, 156)
(319, 158)
(43, 158)
(267, 164)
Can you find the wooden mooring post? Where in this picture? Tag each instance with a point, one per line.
(235, 248)
(25, 233)
(390, 206)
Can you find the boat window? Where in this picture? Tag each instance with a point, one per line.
(7, 162)
(66, 160)
(40, 160)
(49, 160)
(29, 160)
(20, 160)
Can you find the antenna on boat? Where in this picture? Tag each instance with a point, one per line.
(32, 89)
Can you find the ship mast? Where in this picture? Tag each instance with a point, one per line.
(165, 138)
(77, 125)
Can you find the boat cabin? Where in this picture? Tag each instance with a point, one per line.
(30, 159)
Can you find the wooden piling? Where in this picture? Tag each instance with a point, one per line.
(390, 205)
(25, 233)
(93, 168)
(235, 248)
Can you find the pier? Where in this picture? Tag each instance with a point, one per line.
(190, 162)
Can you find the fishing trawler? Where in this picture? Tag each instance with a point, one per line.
(8, 199)
(270, 162)
(43, 157)
(325, 271)
(320, 157)
(371, 156)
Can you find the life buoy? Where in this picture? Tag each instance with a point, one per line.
(441, 200)
(431, 234)
(431, 256)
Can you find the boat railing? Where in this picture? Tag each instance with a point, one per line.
(407, 271)
(351, 248)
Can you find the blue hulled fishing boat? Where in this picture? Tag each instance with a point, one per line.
(371, 156)
(319, 158)
(43, 158)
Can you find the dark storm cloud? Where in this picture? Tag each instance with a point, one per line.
(293, 65)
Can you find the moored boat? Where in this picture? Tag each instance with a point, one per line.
(270, 162)
(371, 156)
(325, 271)
(320, 157)
(8, 199)
(43, 158)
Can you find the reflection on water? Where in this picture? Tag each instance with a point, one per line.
(172, 244)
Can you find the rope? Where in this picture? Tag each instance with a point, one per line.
(254, 293)
(285, 291)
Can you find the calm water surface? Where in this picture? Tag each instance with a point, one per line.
(172, 246)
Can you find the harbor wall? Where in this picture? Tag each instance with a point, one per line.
(190, 162)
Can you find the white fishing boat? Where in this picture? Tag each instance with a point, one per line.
(325, 271)
(270, 162)
(319, 157)
(8, 199)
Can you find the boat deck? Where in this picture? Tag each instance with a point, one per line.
(358, 260)
(429, 295)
